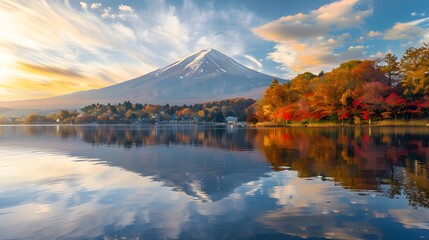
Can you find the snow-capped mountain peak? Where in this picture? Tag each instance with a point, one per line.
(201, 77)
(202, 63)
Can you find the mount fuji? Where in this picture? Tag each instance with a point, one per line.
(204, 76)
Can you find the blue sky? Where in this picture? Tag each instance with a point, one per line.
(50, 48)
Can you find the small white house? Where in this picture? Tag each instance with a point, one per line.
(231, 119)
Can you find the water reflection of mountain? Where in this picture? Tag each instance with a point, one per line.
(393, 161)
(209, 163)
(204, 174)
(187, 159)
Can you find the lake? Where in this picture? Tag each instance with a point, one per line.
(190, 182)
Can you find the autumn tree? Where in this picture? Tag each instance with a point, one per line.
(268, 102)
(63, 114)
(201, 113)
(35, 118)
(302, 83)
(252, 118)
(130, 114)
(53, 117)
(184, 113)
(366, 71)
(371, 100)
(85, 118)
(394, 104)
(347, 110)
(391, 68)
(415, 69)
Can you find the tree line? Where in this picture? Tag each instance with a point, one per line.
(128, 112)
(356, 90)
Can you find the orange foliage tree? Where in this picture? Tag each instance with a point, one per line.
(356, 90)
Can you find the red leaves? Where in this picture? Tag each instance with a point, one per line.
(288, 112)
(357, 102)
(366, 115)
(357, 88)
(367, 72)
(344, 113)
(394, 100)
(424, 104)
(288, 116)
(344, 116)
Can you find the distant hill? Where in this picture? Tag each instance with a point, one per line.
(204, 76)
(2, 110)
(26, 112)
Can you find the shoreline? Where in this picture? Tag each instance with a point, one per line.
(383, 123)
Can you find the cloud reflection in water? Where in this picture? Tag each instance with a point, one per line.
(71, 188)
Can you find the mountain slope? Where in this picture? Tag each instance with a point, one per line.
(204, 76)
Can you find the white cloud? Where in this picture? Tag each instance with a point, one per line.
(407, 30)
(374, 33)
(377, 55)
(334, 16)
(410, 218)
(124, 31)
(83, 5)
(250, 62)
(300, 45)
(285, 31)
(86, 175)
(124, 12)
(95, 5)
(254, 60)
(125, 8)
(313, 57)
(111, 48)
(294, 195)
(422, 14)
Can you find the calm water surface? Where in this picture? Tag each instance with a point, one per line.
(184, 182)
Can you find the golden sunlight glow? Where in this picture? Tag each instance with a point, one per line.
(51, 48)
(41, 81)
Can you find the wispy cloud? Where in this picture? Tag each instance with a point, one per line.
(250, 62)
(107, 44)
(417, 29)
(316, 40)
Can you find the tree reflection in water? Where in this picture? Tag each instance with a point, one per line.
(357, 158)
(391, 161)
